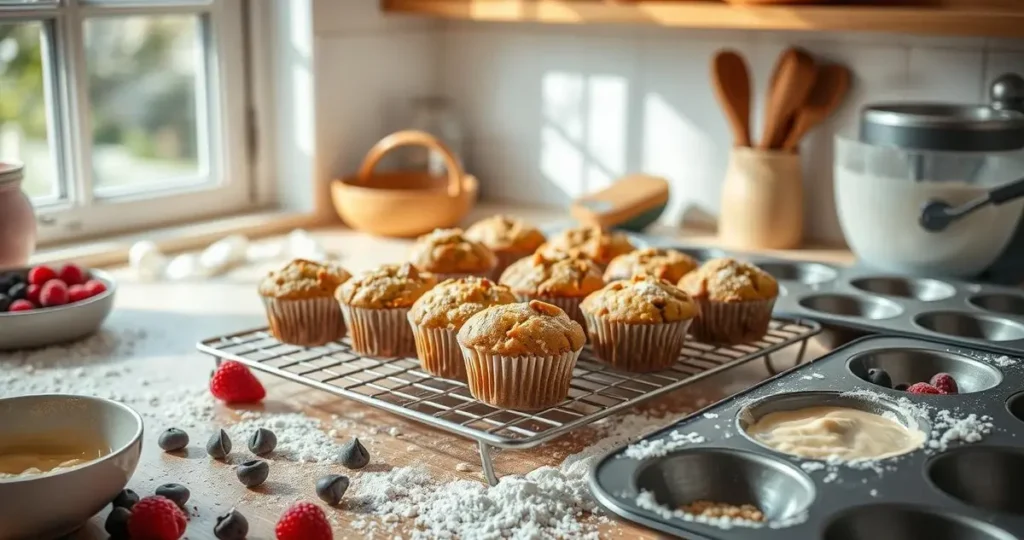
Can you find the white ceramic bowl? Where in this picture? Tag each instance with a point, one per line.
(50, 326)
(51, 505)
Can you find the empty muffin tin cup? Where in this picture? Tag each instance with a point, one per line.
(778, 489)
(750, 414)
(806, 273)
(905, 522)
(918, 365)
(983, 476)
(925, 290)
(847, 305)
(1016, 406)
(1009, 304)
(970, 325)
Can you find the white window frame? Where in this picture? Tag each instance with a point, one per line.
(228, 143)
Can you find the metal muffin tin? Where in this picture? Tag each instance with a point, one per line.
(967, 491)
(864, 301)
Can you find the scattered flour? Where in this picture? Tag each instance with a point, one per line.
(300, 438)
(660, 447)
(710, 415)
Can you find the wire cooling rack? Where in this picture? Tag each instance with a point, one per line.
(398, 385)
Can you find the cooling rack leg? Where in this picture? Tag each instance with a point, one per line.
(799, 358)
(488, 466)
(769, 366)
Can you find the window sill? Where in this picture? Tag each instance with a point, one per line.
(113, 250)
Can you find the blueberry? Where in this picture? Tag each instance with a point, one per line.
(231, 526)
(354, 455)
(5, 302)
(902, 387)
(126, 499)
(332, 488)
(262, 442)
(880, 377)
(219, 445)
(253, 473)
(172, 439)
(6, 282)
(117, 523)
(177, 493)
(18, 291)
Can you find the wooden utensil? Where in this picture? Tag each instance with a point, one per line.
(791, 82)
(732, 88)
(830, 88)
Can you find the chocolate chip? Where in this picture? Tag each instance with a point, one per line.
(253, 473)
(219, 445)
(332, 488)
(126, 499)
(231, 526)
(177, 493)
(354, 455)
(117, 523)
(172, 439)
(262, 442)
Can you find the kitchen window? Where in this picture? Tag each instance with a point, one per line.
(128, 114)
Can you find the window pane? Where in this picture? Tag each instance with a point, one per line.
(143, 74)
(24, 119)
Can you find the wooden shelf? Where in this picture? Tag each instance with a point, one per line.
(998, 18)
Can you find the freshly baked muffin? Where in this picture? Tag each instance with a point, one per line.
(638, 324)
(299, 300)
(447, 253)
(375, 305)
(735, 299)
(521, 356)
(439, 314)
(560, 279)
(509, 238)
(667, 264)
(594, 243)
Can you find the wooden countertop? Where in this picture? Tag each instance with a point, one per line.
(167, 319)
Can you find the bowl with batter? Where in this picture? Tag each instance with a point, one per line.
(80, 449)
(832, 426)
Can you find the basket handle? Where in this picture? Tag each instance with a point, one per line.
(412, 138)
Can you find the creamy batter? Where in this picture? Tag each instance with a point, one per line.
(41, 457)
(835, 432)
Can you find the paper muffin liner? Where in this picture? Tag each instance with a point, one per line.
(569, 304)
(732, 323)
(379, 332)
(307, 322)
(439, 352)
(505, 259)
(525, 383)
(637, 347)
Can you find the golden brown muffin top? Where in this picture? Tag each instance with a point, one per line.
(729, 280)
(505, 233)
(453, 301)
(558, 275)
(449, 251)
(525, 329)
(301, 279)
(389, 286)
(642, 299)
(667, 264)
(593, 242)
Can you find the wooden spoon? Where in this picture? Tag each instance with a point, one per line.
(792, 80)
(829, 89)
(732, 88)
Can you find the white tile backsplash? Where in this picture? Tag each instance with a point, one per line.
(551, 112)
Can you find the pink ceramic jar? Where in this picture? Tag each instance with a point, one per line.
(17, 219)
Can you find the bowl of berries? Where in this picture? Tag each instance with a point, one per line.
(44, 305)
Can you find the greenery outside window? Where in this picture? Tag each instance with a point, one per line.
(127, 114)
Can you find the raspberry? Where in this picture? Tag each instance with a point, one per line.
(156, 518)
(923, 388)
(945, 382)
(21, 305)
(40, 275)
(54, 293)
(77, 293)
(303, 521)
(94, 287)
(232, 382)
(32, 295)
(72, 274)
